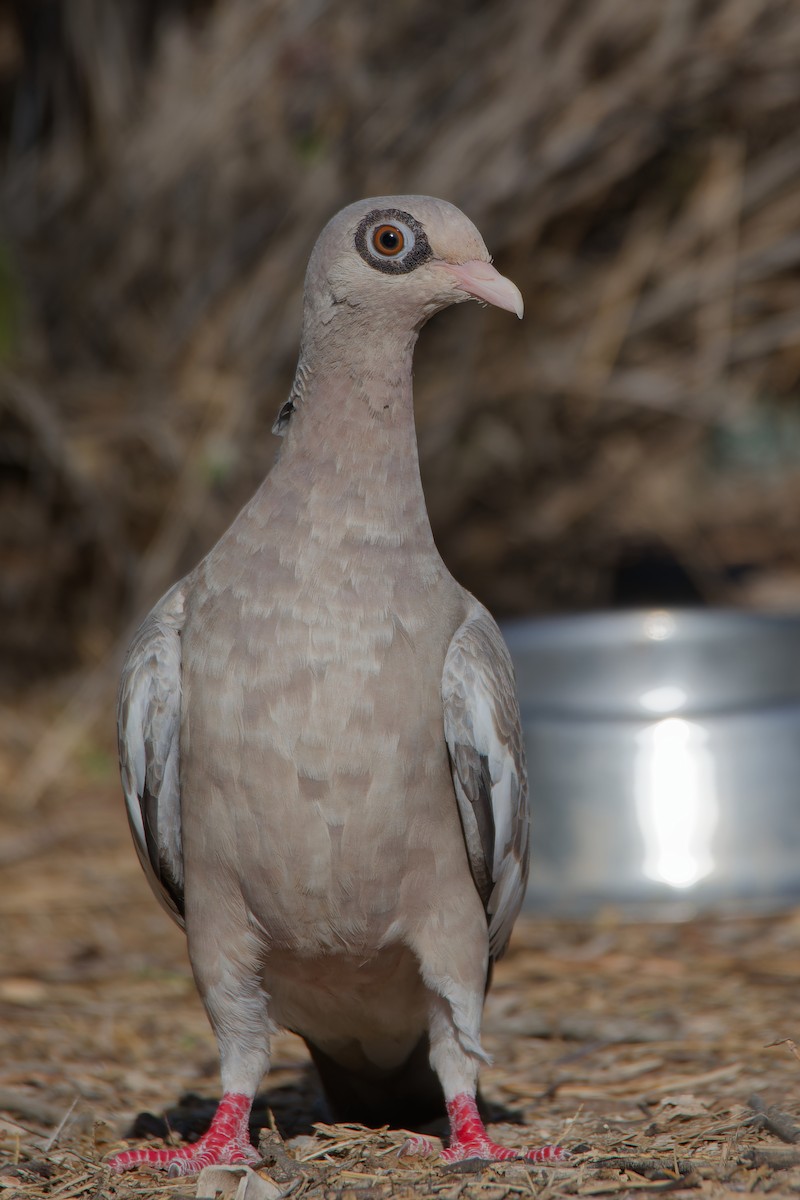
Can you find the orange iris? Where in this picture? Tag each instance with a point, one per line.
(388, 240)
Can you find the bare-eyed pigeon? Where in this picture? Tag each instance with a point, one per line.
(319, 734)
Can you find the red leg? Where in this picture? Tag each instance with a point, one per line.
(417, 1146)
(469, 1139)
(227, 1141)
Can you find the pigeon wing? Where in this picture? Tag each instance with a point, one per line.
(148, 724)
(487, 758)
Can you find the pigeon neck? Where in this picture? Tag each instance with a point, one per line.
(351, 434)
(355, 375)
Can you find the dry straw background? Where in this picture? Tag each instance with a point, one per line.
(167, 165)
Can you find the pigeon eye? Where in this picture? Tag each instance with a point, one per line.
(388, 240)
(392, 241)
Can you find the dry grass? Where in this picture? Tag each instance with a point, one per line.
(635, 168)
(646, 1048)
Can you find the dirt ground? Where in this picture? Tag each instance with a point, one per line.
(661, 1054)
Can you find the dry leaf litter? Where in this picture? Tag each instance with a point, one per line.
(662, 1053)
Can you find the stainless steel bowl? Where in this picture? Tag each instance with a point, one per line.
(663, 756)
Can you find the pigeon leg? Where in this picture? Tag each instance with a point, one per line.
(469, 1139)
(458, 1072)
(226, 1141)
(237, 1009)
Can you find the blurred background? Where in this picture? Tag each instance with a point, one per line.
(167, 165)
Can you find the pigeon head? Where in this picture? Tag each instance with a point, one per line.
(398, 260)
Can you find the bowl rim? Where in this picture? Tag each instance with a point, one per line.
(645, 625)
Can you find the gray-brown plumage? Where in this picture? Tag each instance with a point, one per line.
(319, 733)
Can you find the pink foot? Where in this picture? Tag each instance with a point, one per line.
(227, 1141)
(469, 1139)
(417, 1146)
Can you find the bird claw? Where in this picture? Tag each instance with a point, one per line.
(417, 1146)
(186, 1160)
(469, 1139)
(489, 1151)
(226, 1142)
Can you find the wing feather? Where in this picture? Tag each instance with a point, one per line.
(487, 758)
(148, 726)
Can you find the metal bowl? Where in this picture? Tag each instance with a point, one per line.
(663, 756)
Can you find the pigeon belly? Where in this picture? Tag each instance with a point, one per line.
(318, 778)
(366, 1013)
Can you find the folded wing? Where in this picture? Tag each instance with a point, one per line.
(148, 724)
(484, 738)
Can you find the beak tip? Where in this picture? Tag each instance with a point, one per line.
(481, 281)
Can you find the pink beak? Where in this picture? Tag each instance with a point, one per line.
(481, 281)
